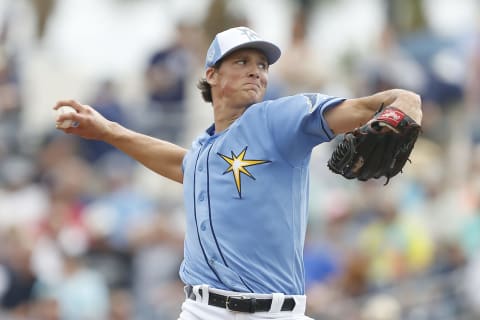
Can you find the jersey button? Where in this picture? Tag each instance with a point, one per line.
(201, 196)
(200, 168)
(203, 225)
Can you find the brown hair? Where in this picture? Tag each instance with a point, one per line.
(205, 87)
(205, 90)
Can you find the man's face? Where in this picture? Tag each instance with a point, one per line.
(241, 79)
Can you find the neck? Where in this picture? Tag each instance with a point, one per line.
(224, 116)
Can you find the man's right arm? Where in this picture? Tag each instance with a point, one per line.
(160, 156)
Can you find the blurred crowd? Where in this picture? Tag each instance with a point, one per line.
(85, 235)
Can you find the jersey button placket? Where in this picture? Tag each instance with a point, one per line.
(202, 209)
(206, 227)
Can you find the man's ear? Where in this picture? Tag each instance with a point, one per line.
(211, 76)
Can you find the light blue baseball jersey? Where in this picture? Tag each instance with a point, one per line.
(246, 196)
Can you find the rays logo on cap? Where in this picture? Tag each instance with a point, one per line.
(249, 33)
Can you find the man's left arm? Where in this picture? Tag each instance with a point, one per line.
(353, 113)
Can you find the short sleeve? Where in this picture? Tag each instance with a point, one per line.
(297, 123)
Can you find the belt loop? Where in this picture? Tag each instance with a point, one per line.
(198, 293)
(205, 294)
(187, 289)
(300, 304)
(277, 302)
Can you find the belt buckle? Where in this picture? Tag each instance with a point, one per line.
(251, 303)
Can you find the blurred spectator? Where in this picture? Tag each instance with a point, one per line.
(45, 308)
(81, 292)
(334, 269)
(437, 57)
(353, 280)
(449, 257)
(397, 55)
(107, 103)
(432, 66)
(307, 76)
(341, 297)
(404, 24)
(120, 305)
(10, 104)
(112, 216)
(472, 92)
(62, 228)
(398, 246)
(321, 264)
(158, 247)
(471, 283)
(133, 245)
(23, 203)
(441, 204)
(16, 289)
(382, 307)
(220, 17)
(65, 289)
(469, 235)
(441, 61)
(327, 245)
(387, 65)
(53, 150)
(43, 10)
(166, 76)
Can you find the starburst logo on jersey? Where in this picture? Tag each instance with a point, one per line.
(238, 166)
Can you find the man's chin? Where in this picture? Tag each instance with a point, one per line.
(252, 102)
(254, 98)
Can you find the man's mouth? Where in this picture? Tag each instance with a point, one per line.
(252, 86)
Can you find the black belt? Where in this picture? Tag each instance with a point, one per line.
(240, 303)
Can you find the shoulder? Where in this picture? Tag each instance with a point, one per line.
(283, 102)
(298, 98)
(300, 101)
(306, 98)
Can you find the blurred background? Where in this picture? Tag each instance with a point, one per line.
(86, 233)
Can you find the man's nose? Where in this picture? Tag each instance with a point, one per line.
(254, 72)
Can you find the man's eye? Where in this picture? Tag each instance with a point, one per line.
(241, 62)
(263, 66)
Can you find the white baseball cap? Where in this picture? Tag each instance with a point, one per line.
(237, 38)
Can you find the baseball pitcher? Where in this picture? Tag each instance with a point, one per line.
(246, 177)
